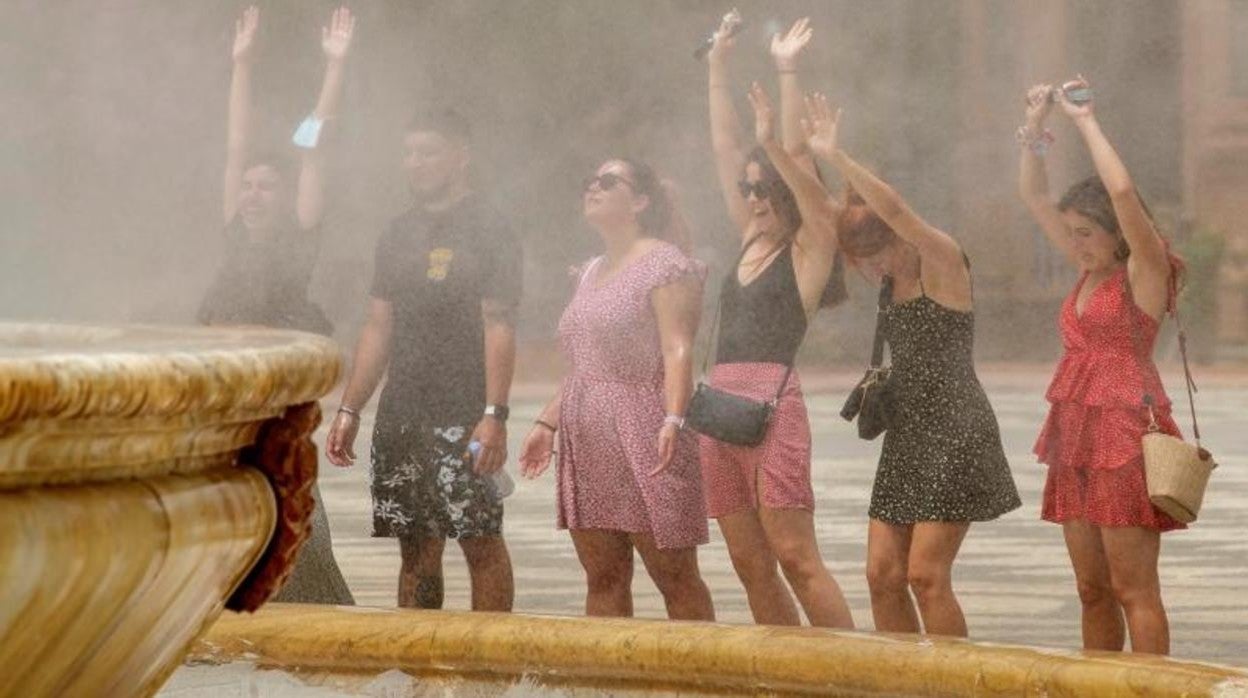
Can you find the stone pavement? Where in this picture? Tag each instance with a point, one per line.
(1012, 576)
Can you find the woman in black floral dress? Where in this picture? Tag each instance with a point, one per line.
(942, 464)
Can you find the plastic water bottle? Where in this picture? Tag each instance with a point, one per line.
(500, 483)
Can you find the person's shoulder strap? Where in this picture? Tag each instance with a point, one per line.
(588, 269)
(719, 302)
(877, 344)
(969, 273)
(1138, 341)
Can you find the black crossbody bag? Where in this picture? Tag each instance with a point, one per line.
(871, 401)
(723, 416)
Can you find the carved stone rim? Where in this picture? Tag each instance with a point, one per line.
(67, 372)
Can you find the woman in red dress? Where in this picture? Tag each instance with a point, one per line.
(1091, 440)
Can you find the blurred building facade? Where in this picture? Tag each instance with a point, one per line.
(1171, 81)
(116, 117)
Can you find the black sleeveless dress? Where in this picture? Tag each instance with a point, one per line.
(942, 458)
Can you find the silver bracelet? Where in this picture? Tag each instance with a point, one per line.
(350, 410)
(675, 420)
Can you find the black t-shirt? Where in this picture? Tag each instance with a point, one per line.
(435, 269)
(264, 281)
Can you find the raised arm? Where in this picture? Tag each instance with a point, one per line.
(1137, 226)
(238, 116)
(1033, 177)
(933, 244)
(814, 255)
(677, 309)
(335, 43)
(726, 133)
(785, 50)
(818, 210)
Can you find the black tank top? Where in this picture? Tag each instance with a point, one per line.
(763, 321)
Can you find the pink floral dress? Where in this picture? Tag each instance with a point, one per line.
(612, 409)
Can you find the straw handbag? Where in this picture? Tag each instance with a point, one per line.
(1177, 472)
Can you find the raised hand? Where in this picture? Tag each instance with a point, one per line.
(764, 115)
(785, 48)
(245, 34)
(536, 452)
(723, 41)
(1038, 105)
(1074, 111)
(336, 38)
(821, 124)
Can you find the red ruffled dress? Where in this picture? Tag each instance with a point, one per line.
(1091, 440)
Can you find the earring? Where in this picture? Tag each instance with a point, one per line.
(1123, 251)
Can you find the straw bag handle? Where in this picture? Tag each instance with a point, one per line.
(1172, 308)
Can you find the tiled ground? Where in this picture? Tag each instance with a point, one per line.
(1013, 576)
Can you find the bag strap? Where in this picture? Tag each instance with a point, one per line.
(589, 269)
(877, 345)
(715, 326)
(1172, 308)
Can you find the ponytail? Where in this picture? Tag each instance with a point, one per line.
(662, 218)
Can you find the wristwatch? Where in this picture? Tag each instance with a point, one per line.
(499, 412)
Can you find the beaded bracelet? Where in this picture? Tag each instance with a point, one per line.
(1037, 143)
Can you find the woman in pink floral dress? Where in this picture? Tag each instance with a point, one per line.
(628, 477)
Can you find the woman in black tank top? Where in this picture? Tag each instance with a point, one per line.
(942, 465)
(762, 321)
(761, 496)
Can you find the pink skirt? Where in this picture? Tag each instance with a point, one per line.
(774, 474)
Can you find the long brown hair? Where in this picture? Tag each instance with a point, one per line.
(1090, 199)
(860, 230)
(784, 203)
(661, 218)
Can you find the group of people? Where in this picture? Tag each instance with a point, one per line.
(630, 476)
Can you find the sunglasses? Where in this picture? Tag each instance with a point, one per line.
(605, 181)
(761, 190)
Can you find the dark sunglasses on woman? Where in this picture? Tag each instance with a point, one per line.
(605, 181)
(762, 190)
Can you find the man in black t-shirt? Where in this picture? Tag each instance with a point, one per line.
(441, 327)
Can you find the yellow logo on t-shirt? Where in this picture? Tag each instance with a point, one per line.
(439, 263)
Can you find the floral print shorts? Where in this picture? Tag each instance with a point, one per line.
(423, 485)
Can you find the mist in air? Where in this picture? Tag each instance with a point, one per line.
(114, 123)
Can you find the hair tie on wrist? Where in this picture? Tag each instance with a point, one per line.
(543, 423)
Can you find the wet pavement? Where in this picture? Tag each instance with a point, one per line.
(1012, 577)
